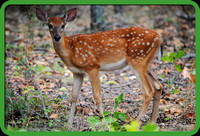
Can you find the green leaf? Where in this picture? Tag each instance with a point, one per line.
(94, 120)
(116, 125)
(10, 128)
(116, 104)
(32, 100)
(116, 114)
(20, 46)
(134, 126)
(179, 55)
(9, 46)
(48, 69)
(178, 68)
(150, 127)
(118, 100)
(39, 68)
(111, 82)
(63, 89)
(162, 76)
(16, 73)
(174, 77)
(165, 57)
(106, 113)
(167, 118)
(168, 83)
(109, 119)
(50, 123)
(121, 97)
(174, 91)
(112, 129)
(122, 116)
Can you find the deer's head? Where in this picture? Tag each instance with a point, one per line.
(56, 24)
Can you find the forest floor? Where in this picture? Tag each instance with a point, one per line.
(47, 89)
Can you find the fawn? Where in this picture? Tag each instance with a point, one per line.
(105, 51)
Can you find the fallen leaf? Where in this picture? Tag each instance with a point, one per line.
(163, 101)
(55, 106)
(111, 82)
(186, 73)
(192, 78)
(127, 95)
(185, 26)
(175, 111)
(87, 111)
(190, 115)
(78, 109)
(54, 116)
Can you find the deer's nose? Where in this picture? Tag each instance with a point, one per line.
(57, 37)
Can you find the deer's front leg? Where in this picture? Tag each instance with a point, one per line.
(96, 87)
(77, 83)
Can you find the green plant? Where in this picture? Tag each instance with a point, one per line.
(172, 57)
(21, 106)
(170, 83)
(108, 122)
(111, 123)
(134, 126)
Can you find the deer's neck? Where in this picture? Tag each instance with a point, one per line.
(63, 49)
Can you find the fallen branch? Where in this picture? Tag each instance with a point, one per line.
(189, 56)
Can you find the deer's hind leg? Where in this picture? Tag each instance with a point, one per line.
(141, 72)
(156, 97)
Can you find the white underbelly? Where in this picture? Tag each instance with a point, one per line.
(76, 70)
(104, 67)
(113, 66)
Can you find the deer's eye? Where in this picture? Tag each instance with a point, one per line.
(50, 26)
(63, 26)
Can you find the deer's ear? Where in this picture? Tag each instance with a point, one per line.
(41, 15)
(70, 15)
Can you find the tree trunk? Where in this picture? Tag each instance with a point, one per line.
(118, 9)
(97, 18)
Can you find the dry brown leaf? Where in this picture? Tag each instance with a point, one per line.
(186, 73)
(177, 41)
(190, 115)
(55, 106)
(87, 111)
(163, 101)
(175, 111)
(78, 109)
(166, 111)
(128, 95)
(54, 116)
(192, 78)
(185, 26)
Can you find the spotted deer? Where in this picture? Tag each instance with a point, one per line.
(106, 51)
